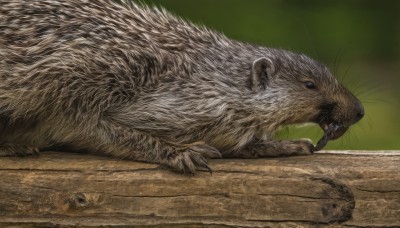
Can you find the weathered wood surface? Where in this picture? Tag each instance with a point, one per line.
(334, 189)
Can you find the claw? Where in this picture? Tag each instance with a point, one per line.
(207, 151)
(188, 164)
(192, 157)
(35, 151)
(203, 164)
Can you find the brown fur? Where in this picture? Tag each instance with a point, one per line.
(138, 83)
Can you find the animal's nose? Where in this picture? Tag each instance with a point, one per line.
(359, 111)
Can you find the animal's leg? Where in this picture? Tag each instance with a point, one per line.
(127, 143)
(9, 150)
(274, 149)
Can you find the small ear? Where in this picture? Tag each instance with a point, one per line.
(262, 70)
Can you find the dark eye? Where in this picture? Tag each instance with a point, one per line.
(309, 85)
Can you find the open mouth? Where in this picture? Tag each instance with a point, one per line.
(332, 131)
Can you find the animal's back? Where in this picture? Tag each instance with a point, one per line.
(61, 50)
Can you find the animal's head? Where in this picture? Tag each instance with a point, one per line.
(304, 90)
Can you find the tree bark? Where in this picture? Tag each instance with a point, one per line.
(330, 188)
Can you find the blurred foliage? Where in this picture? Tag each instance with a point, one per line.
(358, 39)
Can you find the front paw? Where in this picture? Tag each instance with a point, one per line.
(189, 158)
(277, 148)
(301, 147)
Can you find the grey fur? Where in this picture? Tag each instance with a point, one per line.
(138, 83)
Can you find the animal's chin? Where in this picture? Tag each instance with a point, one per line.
(333, 130)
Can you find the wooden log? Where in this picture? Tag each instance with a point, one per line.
(330, 188)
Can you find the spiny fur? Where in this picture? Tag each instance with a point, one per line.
(137, 82)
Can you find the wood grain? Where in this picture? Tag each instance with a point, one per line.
(330, 188)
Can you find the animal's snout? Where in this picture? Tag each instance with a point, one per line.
(358, 111)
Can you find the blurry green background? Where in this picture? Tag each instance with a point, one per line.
(358, 39)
